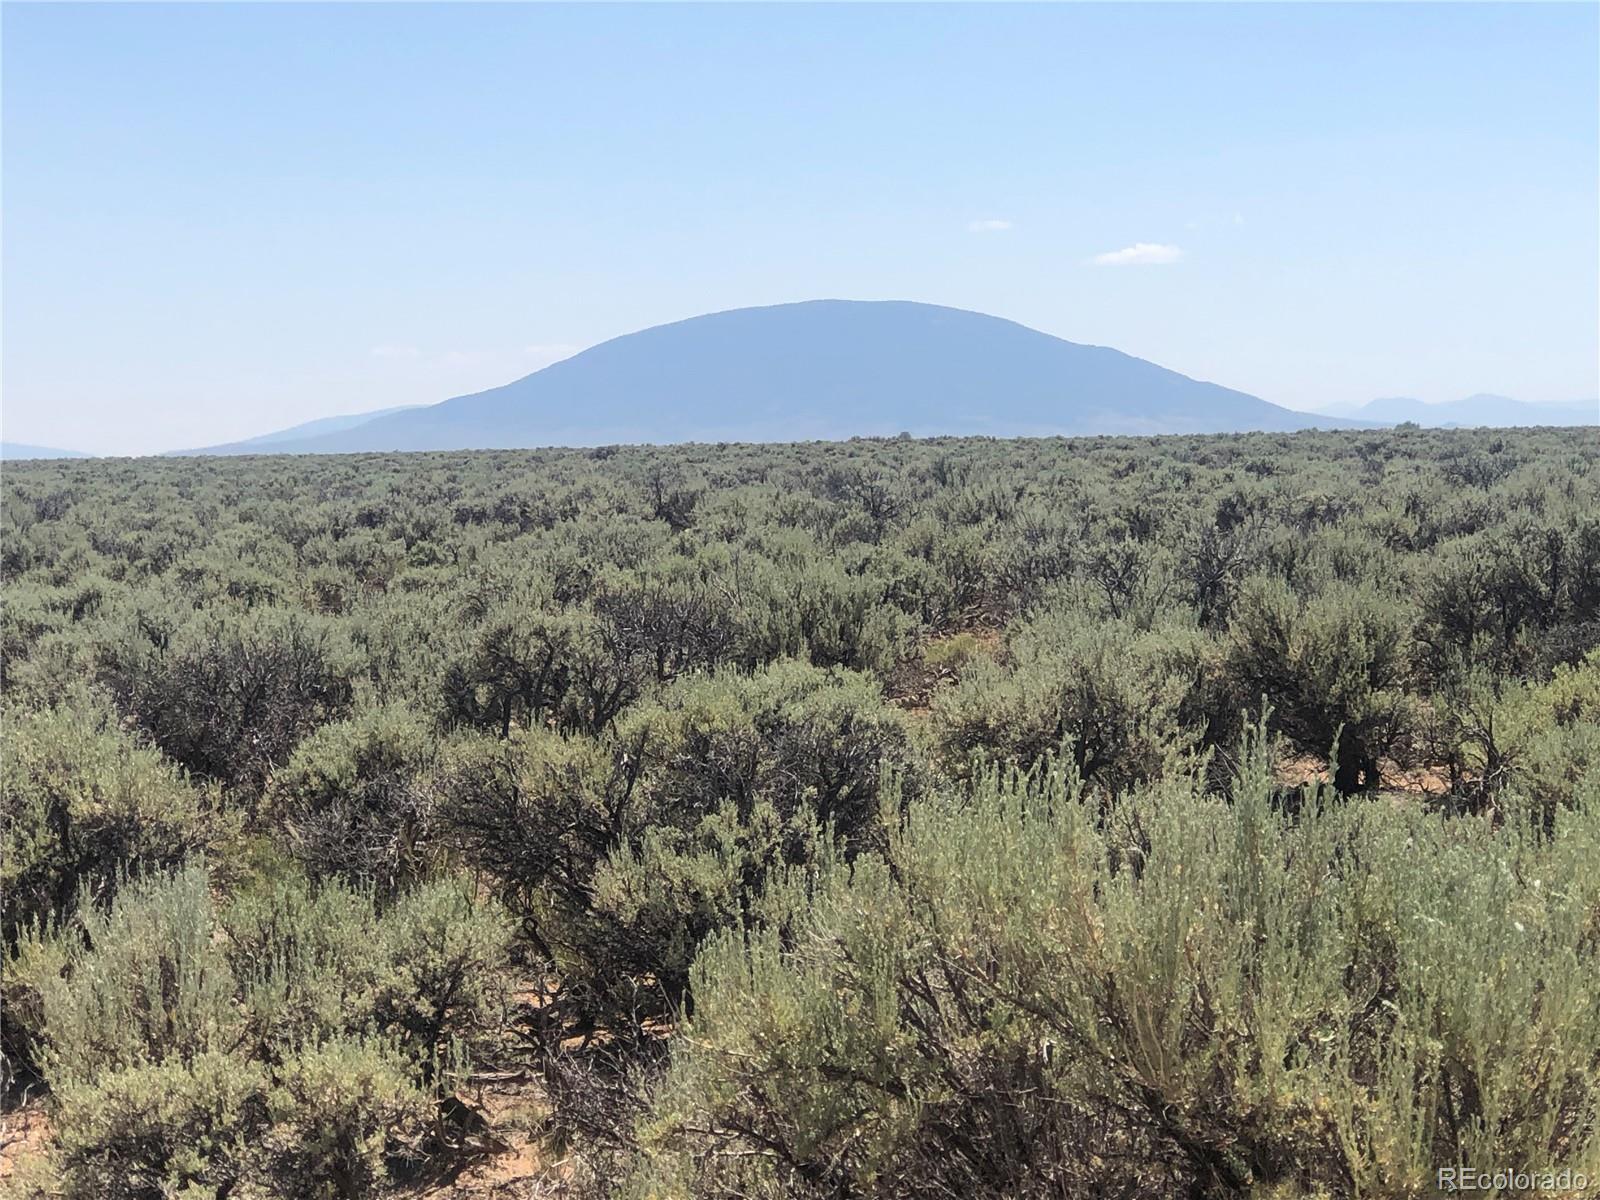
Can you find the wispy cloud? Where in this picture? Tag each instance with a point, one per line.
(989, 225)
(1140, 254)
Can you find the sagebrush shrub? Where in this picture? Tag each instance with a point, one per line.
(1332, 668)
(1036, 995)
(339, 1111)
(623, 855)
(648, 697)
(353, 798)
(85, 803)
(180, 1127)
(229, 694)
(145, 981)
(1130, 704)
(296, 1043)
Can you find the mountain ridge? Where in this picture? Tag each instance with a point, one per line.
(23, 451)
(262, 443)
(822, 369)
(1479, 409)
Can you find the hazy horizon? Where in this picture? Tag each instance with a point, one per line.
(225, 220)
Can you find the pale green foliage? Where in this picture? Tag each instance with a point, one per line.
(305, 961)
(427, 971)
(29, 965)
(1041, 998)
(324, 1122)
(445, 955)
(1332, 669)
(951, 653)
(1495, 1017)
(626, 854)
(308, 1023)
(84, 802)
(652, 905)
(801, 603)
(1540, 740)
(155, 1130)
(1554, 733)
(805, 739)
(336, 1110)
(354, 800)
(1129, 704)
(146, 982)
(646, 695)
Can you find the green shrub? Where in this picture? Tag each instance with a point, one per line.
(306, 962)
(148, 1132)
(1536, 740)
(951, 653)
(292, 1046)
(353, 801)
(230, 694)
(26, 972)
(1130, 704)
(527, 668)
(659, 669)
(446, 959)
(429, 971)
(794, 600)
(537, 812)
(628, 953)
(145, 982)
(622, 855)
(812, 742)
(1331, 668)
(1023, 1000)
(340, 1112)
(83, 804)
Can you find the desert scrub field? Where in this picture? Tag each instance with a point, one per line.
(1206, 816)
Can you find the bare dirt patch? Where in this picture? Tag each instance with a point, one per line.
(24, 1138)
(512, 1157)
(1419, 781)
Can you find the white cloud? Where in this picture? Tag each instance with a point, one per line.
(1139, 254)
(988, 225)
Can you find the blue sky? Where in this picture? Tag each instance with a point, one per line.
(223, 219)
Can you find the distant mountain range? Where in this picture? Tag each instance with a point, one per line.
(1481, 409)
(829, 369)
(18, 450)
(267, 442)
(819, 369)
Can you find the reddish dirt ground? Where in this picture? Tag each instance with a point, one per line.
(1415, 781)
(515, 1163)
(24, 1134)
